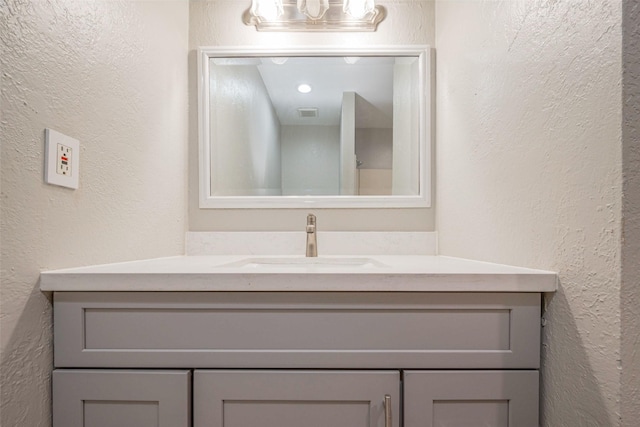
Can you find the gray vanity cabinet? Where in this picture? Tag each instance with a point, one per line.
(285, 398)
(290, 359)
(121, 398)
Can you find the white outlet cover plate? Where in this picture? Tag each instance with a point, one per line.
(53, 140)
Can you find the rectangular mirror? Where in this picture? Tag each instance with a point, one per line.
(300, 128)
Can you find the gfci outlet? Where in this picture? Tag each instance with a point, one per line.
(62, 159)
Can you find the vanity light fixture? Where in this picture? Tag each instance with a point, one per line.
(314, 15)
(314, 9)
(268, 10)
(359, 8)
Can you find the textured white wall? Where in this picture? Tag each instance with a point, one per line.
(248, 162)
(113, 75)
(219, 23)
(529, 173)
(630, 295)
(406, 128)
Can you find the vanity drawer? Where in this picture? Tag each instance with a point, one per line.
(297, 330)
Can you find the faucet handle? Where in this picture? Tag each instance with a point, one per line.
(311, 219)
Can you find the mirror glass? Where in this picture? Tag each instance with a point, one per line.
(295, 129)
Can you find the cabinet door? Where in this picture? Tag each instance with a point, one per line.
(471, 398)
(104, 398)
(295, 398)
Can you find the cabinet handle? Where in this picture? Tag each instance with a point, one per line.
(387, 411)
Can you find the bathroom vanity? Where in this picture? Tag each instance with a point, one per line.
(229, 341)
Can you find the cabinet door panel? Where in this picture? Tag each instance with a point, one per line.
(294, 398)
(471, 399)
(102, 398)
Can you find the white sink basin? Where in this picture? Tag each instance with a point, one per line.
(306, 262)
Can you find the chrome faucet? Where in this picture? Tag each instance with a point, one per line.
(312, 241)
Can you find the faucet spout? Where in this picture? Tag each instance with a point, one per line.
(312, 241)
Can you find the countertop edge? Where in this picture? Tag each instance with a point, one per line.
(299, 282)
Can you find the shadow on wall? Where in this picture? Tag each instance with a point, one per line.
(27, 358)
(569, 384)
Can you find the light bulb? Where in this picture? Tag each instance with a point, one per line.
(304, 88)
(314, 9)
(267, 9)
(359, 8)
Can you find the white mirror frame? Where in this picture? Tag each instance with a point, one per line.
(422, 200)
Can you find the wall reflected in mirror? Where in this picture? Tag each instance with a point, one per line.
(314, 126)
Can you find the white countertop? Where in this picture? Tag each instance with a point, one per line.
(399, 273)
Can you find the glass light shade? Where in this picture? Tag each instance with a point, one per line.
(359, 8)
(267, 9)
(314, 15)
(314, 9)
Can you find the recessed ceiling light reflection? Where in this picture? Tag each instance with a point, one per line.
(304, 88)
(279, 61)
